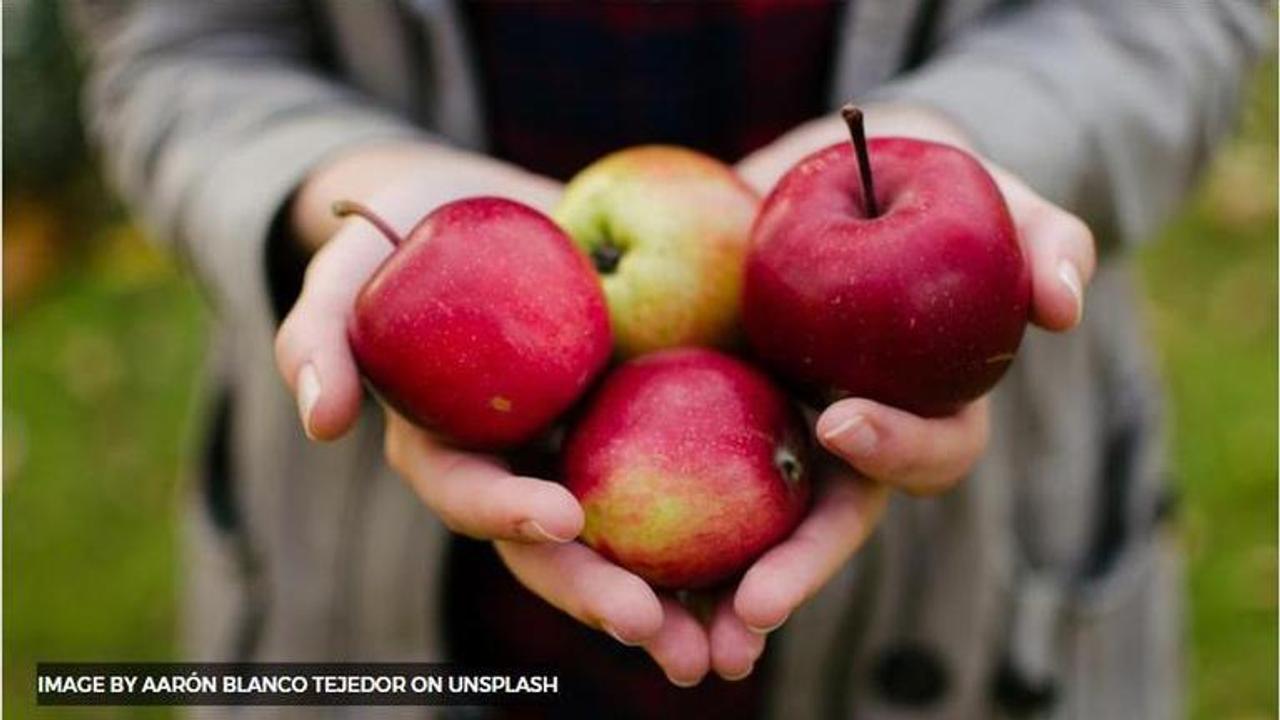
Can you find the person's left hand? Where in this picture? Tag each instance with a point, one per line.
(885, 447)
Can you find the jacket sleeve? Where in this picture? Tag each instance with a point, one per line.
(1109, 108)
(208, 116)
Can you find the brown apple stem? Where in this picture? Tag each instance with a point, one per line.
(853, 118)
(344, 208)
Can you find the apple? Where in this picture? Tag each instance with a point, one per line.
(909, 289)
(689, 464)
(667, 230)
(484, 324)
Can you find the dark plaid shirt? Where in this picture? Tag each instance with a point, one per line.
(567, 82)
(564, 84)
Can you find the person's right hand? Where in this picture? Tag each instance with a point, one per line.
(530, 520)
(401, 183)
(472, 494)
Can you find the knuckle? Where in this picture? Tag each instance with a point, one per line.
(494, 506)
(452, 520)
(450, 468)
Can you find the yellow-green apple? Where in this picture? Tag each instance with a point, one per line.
(689, 464)
(666, 229)
(889, 270)
(484, 324)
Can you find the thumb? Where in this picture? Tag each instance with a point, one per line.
(312, 353)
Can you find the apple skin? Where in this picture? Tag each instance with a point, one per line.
(667, 230)
(922, 307)
(689, 465)
(484, 325)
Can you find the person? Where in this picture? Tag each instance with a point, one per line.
(1041, 585)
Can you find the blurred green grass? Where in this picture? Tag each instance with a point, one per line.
(99, 386)
(101, 381)
(1211, 284)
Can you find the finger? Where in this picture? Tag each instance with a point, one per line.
(923, 456)
(734, 648)
(680, 647)
(1060, 250)
(311, 346)
(475, 495)
(573, 578)
(843, 515)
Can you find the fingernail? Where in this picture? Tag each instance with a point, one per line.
(854, 436)
(1070, 277)
(308, 395)
(740, 676)
(614, 634)
(683, 683)
(771, 628)
(531, 530)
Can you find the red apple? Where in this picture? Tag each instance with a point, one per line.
(688, 464)
(910, 289)
(484, 325)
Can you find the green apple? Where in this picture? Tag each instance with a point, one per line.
(666, 229)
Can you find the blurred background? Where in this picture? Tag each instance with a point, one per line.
(104, 340)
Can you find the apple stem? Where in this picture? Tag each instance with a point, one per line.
(853, 118)
(345, 208)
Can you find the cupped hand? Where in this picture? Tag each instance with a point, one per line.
(884, 447)
(401, 183)
(925, 456)
(472, 494)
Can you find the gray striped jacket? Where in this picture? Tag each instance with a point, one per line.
(1043, 586)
